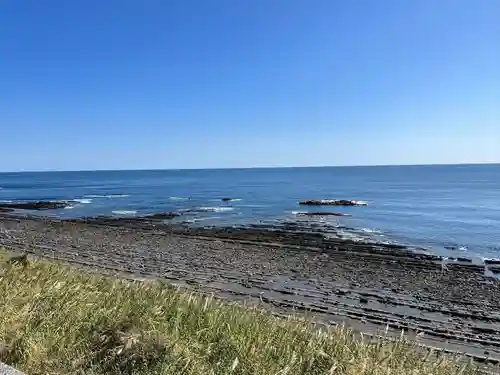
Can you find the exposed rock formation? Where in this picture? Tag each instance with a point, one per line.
(322, 214)
(162, 215)
(40, 205)
(332, 202)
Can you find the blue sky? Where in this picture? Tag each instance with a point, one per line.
(129, 84)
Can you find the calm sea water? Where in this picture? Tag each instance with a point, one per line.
(451, 210)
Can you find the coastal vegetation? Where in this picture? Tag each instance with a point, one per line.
(55, 319)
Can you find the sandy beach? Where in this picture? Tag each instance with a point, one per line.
(375, 289)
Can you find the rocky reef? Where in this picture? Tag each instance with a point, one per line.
(38, 205)
(332, 202)
(322, 214)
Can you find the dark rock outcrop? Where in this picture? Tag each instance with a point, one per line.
(492, 261)
(139, 222)
(162, 216)
(40, 205)
(226, 199)
(322, 214)
(332, 202)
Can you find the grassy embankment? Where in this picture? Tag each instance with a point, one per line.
(59, 320)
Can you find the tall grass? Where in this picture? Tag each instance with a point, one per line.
(59, 320)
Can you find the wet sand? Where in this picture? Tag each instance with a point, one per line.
(369, 287)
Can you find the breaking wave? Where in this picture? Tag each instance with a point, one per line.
(215, 209)
(83, 201)
(124, 212)
(371, 230)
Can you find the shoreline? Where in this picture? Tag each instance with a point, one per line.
(386, 223)
(368, 287)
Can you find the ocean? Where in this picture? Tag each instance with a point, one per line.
(450, 210)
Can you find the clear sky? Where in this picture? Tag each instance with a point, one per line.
(131, 84)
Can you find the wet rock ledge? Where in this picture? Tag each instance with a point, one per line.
(36, 205)
(332, 202)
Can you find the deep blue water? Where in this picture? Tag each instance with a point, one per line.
(436, 207)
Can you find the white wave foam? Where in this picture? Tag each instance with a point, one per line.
(206, 218)
(216, 209)
(83, 201)
(69, 207)
(5, 201)
(370, 230)
(360, 203)
(178, 198)
(350, 235)
(463, 248)
(124, 212)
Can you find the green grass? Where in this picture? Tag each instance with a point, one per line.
(59, 320)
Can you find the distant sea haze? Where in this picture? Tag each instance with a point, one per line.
(446, 209)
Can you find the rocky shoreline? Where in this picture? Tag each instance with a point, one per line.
(377, 289)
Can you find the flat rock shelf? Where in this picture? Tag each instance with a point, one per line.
(373, 288)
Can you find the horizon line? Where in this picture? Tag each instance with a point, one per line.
(257, 167)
